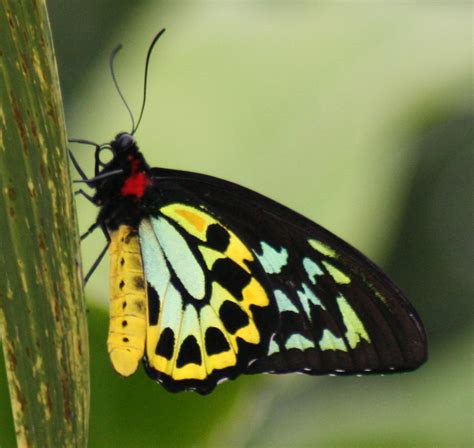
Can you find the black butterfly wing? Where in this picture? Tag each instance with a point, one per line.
(329, 309)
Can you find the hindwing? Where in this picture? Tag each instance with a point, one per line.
(208, 313)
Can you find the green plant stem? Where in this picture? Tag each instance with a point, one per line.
(42, 315)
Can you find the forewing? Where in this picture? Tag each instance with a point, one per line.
(327, 309)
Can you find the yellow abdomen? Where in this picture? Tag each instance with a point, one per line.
(128, 301)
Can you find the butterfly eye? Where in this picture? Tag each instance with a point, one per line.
(105, 155)
(124, 141)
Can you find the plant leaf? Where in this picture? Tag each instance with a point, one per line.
(42, 315)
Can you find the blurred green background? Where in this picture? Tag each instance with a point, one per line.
(358, 115)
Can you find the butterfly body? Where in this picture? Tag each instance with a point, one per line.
(128, 297)
(214, 280)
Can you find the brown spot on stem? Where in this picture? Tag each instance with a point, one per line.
(49, 401)
(11, 359)
(19, 121)
(34, 129)
(20, 398)
(67, 400)
(57, 309)
(42, 169)
(41, 243)
(11, 193)
(24, 64)
(52, 112)
(10, 19)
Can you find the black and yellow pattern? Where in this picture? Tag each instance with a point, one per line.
(201, 307)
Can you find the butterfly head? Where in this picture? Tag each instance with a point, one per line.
(124, 155)
(123, 143)
(117, 154)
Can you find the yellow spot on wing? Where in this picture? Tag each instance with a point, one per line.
(336, 274)
(218, 296)
(190, 326)
(221, 360)
(322, 248)
(210, 255)
(171, 316)
(238, 252)
(355, 328)
(189, 372)
(192, 217)
(196, 222)
(254, 294)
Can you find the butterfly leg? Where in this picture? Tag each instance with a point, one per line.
(84, 194)
(89, 230)
(101, 255)
(77, 166)
(90, 181)
(96, 263)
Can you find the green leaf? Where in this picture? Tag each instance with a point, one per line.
(42, 315)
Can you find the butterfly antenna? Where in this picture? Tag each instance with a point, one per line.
(112, 71)
(147, 62)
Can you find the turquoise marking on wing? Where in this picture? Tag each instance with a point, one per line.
(272, 260)
(298, 341)
(273, 348)
(284, 303)
(180, 257)
(307, 296)
(329, 341)
(156, 270)
(191, 324)
(172, 310)
(312, 269)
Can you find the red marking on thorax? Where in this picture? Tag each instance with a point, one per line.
(136, 183)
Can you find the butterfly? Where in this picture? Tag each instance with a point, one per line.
(210, 280)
